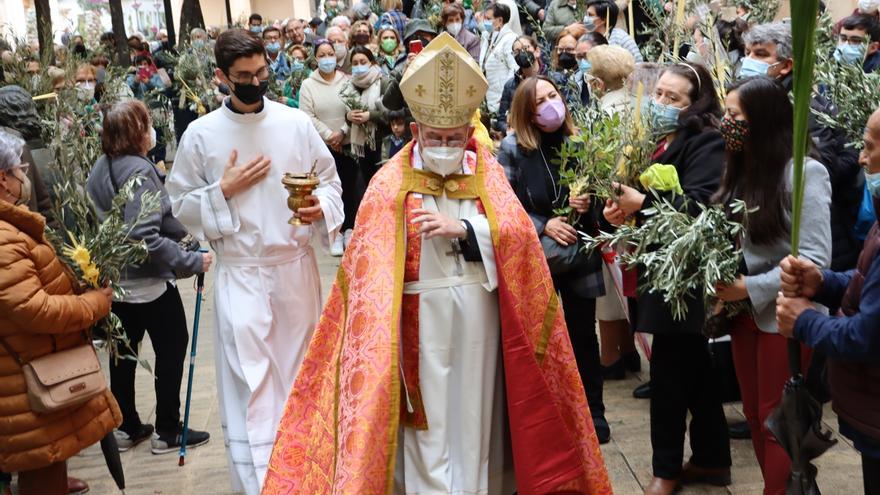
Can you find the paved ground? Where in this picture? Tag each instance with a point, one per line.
(628, 456)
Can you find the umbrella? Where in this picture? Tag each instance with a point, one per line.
(797, 426)
(110, 448)
(797, 421)
(200, 289)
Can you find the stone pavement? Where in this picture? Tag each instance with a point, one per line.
(628, 456)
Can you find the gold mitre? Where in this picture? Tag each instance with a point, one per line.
(443, 85)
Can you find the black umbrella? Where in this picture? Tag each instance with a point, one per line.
(797, 426)
(114, 463)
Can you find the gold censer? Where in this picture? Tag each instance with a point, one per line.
(298, 187)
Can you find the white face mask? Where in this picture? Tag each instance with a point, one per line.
(443, 160)
(24, 181)
(85, 91)
(454, 28)
(152, 137)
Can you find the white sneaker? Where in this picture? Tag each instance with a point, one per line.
(346, 238)
(337, 248)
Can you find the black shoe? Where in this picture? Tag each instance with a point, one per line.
(617, 371)
(603, 429)
(167, 442)
(739, 430)
(126, 439)
(643, 391)
(633, 361)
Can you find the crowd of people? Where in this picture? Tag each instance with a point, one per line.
(437, 133)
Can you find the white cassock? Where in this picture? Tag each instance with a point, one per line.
(267, 291)
(464, 451)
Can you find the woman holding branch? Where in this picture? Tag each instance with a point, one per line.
(757, 129)
(684, 112)
(541, 123)
(41, 315)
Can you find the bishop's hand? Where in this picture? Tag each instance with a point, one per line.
(433, 224)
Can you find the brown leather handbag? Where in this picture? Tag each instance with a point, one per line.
(61, 379)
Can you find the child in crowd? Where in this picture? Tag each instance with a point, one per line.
(399, 136)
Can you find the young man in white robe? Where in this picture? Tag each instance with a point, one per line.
(225, 186)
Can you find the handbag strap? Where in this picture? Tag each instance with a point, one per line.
(11, 351)
(22, 362)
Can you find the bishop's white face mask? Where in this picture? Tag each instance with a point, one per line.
(443, 160)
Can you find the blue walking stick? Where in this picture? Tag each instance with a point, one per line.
(200, 289)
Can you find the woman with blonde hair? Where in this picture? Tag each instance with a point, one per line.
(362, 35)
(391, 51)
(610, 66)
(541, 123)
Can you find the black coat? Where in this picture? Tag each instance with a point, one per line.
(530, 178)
(698, 158)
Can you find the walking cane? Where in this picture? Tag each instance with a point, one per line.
(200, 289)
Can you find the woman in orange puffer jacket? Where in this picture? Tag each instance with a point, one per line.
(40, 314)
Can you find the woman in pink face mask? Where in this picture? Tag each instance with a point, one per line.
(540, 124)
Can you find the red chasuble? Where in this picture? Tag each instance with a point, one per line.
(339, 434)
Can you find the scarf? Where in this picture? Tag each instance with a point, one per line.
(364, 135)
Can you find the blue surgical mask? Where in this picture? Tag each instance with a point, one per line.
(584, 65)
(273, 47)
(751, 67)
(357, 70)
(872, 182)
(664, 118)
(257, 29)
(327, 64)
(849, 54)
(297, 65)
(590, 23)
(488, 26)
(198, 43)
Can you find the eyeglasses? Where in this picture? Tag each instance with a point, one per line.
(562, 49)
(452, 143)
(247, 77)
(852, 40)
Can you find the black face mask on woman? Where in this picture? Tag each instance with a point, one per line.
(250, 94)
(567, 61)
(524, 59)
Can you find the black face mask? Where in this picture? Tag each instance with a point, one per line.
(250, 94)
(567, 61)
(361, 38)
(524, 59)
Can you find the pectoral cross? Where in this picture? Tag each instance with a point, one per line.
(457, 253)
